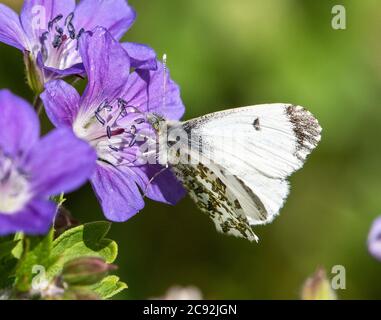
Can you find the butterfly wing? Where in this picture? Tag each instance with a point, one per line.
(212, 192)
(272, 139)
(252, 150)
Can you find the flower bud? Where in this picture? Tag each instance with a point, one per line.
(85, 271)
(79, 293)
(318, 287)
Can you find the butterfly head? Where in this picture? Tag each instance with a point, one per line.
(156, 121)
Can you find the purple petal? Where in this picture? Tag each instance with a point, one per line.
(61, 102)
(19, 124)
(374, 239)
(163, 186)
(142, 56)
(60, 162)
(36, 218)
(115, 15)
(76, 69)
(154, 91)
(117, 193)
(36, 15)
(107, 65)
(11, 31)
(53, 73)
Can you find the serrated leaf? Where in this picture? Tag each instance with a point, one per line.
(84, 241)
(109, 287)
(36, 252)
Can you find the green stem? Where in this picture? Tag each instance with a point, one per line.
(37, 104)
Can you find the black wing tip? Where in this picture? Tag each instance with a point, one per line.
(306, 128)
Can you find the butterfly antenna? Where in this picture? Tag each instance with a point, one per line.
(164, 79)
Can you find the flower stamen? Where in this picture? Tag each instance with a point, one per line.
(54, 21)
(113, 128)
(113, 148)
(70, 26)
(99, 118)
(109, 133)
(60, 43)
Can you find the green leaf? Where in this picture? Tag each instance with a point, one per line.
(18, 250)
(6, 248)
(84, 241)
(9, 255)
(109, 287)
(36, 252)
(7, 276)
(6, 239)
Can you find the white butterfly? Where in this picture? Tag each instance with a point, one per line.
(235, 163)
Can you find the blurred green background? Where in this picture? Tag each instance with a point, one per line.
(227, 53)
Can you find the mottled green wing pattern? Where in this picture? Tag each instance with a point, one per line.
(207, 188)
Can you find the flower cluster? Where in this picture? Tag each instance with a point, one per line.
(97, 133)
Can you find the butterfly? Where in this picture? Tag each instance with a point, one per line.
(235, 163)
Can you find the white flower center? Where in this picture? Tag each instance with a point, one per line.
(14, 187)
(116, 131)
(59, 44)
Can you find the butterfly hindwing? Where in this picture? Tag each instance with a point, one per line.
(212, 193)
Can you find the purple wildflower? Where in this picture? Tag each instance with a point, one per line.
(31, 169)
(374, 239)
(110, 116)
(48, 32)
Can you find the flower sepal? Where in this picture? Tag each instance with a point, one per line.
(34, 74)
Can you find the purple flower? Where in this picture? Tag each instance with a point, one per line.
(48, 32)
(31, 169)
(111, 116)
(374, 239)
